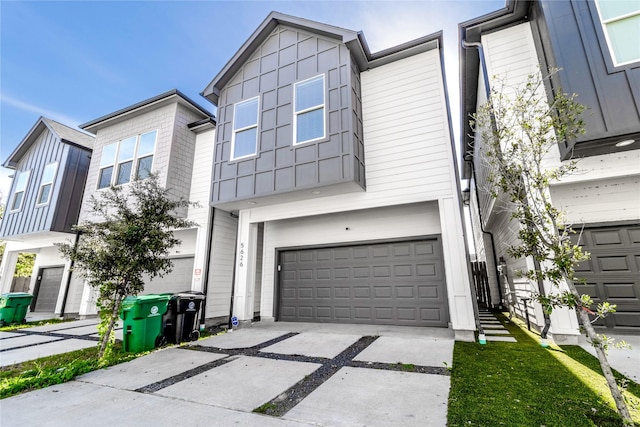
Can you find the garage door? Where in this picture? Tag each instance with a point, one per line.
(48, 288)
(178, 280)
(400, 283)
(613, 272)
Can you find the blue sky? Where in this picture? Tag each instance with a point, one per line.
(74, 61)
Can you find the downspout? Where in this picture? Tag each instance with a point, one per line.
(487, 87)
(68, 284)
(207, 266)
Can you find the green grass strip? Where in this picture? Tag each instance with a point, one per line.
(523, 384)
(56, 369)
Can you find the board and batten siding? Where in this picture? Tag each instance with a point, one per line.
(406, 142)
(393, 222)
(31, 218)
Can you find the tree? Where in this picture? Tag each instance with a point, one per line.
(130, 238)
(24, 265)
(520, 128)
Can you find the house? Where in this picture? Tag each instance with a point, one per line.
(593, 44)
(173, 137)
(51, 165)
(340, 166)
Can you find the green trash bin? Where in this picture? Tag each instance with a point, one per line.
(142, 321)
(13, 307)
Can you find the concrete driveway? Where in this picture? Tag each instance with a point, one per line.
(292, 374)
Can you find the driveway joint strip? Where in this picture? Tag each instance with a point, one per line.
(157, 386)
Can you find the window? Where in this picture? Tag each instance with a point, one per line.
(245, 129)
(21, 187)
(309, 110)
(621, 24)
(46, 183)
(118, 160)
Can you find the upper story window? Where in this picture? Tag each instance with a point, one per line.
(21, 187)
(46, 183)
(119, 158)
(308, 120)
(621, 23)
(245, 129)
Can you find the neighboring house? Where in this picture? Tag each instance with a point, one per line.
(595, 46)
(173, 137)
(340, 165)
(51, 165)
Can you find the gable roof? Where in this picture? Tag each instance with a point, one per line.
(354, 41)
(165, 98)
(62, 132)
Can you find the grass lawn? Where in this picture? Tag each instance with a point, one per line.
(523, 384)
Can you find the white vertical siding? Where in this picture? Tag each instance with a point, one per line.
(364, 225)
(222, 264)
(200, 185)
(201, 177)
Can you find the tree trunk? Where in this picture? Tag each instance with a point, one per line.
(112, 321)
(596, 342)
(606, 367)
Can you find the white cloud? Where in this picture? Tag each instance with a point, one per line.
(25, 106)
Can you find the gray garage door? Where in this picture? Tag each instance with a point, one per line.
(178, 280)
(48, 288)
(400, 283)
(613, 273)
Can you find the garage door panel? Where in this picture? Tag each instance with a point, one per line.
(621, 291)
(627, 320)
(387, 283)
(48, 289)
(613, 272)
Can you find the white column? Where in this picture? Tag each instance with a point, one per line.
(456, 270)
(7, 268)
(245, 267)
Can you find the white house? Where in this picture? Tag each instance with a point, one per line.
(340, 165)
(582, 40)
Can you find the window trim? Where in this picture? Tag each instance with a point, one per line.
(307, 110)
(603, 25)
(116, 163)
(23, 191)
(44, 184)
(245, 128)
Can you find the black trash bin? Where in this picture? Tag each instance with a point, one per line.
(181, 321)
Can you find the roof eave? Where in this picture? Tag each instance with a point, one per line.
(23, 146)
(94, 125)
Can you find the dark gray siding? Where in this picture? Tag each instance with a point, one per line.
(71, 189)
(570, 37)
(29, 219)
(287, 56)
